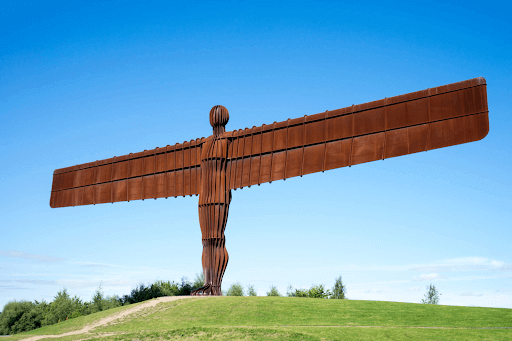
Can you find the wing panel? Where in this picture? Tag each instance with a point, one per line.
(417, 138)
(339, 127)
(87, 196)
(119, 190)
(367, 148)
(246, 171)
(337, 154)
(103, 193)
(148, 186)
(254, 170)
(267, 141)
(171, 181)
(397, 143)
(178, 183)
(445, 106)
(313, 159)
(277, 165)
(295, 136)
(315, 132)
(293, 162)
(149, 164)
(134, 189)
(369, 121)
(265, 168)
(187, 178)
(120, 171)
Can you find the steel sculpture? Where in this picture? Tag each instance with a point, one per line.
(210, 167)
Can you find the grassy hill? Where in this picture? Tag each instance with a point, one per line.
(283, 318)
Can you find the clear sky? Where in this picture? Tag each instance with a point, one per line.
(83, 81)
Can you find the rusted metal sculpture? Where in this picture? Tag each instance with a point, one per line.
(210, 167)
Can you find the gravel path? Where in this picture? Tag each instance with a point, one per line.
(113, 317)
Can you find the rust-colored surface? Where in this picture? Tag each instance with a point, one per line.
(214, 199)
(419, 121)
(170, 171)
(210, 167)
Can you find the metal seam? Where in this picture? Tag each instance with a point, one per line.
(286, 147)
(303, 144)
(112, 181)
(325, 141)
(142, 175)
(272, 151)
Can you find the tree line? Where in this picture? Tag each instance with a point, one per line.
(21, 316)
(316, 291)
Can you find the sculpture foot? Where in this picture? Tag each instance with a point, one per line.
(204, 290)
(207, 290)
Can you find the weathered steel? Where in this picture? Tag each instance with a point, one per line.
(210, 167)
(411, 123)
(214, 199)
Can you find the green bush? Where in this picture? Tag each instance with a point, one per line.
(301, 293)
(251, 291)
(168, 288)
(17, 317)
(199, 281)
(273, 291)
(62, 308)
(185, 288)
(431, 296)
(235, 290)
(318, 291)
(339, 291)
(143, 293)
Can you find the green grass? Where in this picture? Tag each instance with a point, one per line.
(284, 311)
(282, 318)
(313, 333)
(72, 324)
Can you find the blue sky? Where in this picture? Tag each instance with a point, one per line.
(86, 81)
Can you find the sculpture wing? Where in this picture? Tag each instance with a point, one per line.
(434, 118)
(162, 172)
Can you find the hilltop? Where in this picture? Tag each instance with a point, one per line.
(280, 318)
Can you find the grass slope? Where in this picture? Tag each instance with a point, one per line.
(282, 318)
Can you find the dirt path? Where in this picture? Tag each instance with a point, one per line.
(111, 318)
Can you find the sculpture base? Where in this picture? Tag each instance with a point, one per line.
(207, 290)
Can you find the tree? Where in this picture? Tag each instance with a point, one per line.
(290, 292)
(301, 293)
(97, 300)
(251, 291)
(62, 307)
(16, 317)
(168, 288)
(318, 291)
(339, 290)
(431, 296)
(273, 291)
(199, 281)
(235, 289)
(185, 287)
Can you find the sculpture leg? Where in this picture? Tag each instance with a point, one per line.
(215, 258)
(213, 218)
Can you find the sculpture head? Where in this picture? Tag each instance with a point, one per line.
(219, 117)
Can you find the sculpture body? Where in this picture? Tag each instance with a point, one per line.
(210, 167)
(214, 199)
